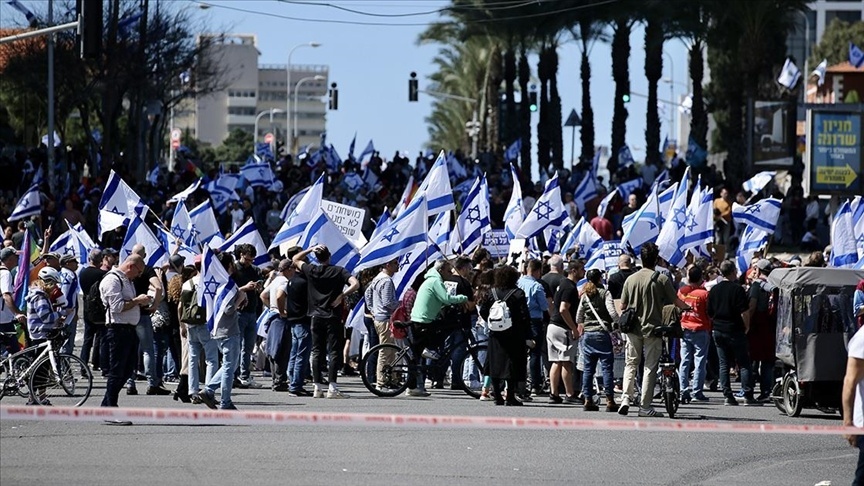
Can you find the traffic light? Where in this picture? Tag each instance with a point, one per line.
(625, 97)
(413, 88)
(334, 97)
(90, 28)
(532, 101)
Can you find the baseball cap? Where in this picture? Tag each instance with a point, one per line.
(176, 261)
(66, 259)
(7, 252)
(764, 265)
(51, 254)
(109, 252)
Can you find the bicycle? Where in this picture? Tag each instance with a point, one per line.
(399, 365)
(670, 383)
(51, 378)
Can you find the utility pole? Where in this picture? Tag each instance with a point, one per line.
(51, 98)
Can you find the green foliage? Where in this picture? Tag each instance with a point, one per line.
(834, 45)
(237, 147)
(852, 97)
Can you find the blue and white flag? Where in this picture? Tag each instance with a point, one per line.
(413, 264)
(473, 221)
(128, 24)
(185, 193)
(370, 180)
(857, 207)
(321, 230)
(585, 191)
(204, 225)
(696, 156)
(351, 147)
(844, 251)
(699, 230)
(627, 188)
(752, 240)
(383, 223)
(584, 238)
(369, 150)
(29, 205)
(352, 182)
(294, 226)
(181, 224)
(31, 18)
(292, 204)
(642, 226)
(455, 168)
(547, 211)
(169, 241)
(759, 181)
(665, 201)
(439, 233)
(118, 205)
(222, 191)
(514, 215)
(332, 159)
(216, 290)
(625, 157)
(856, 56)
(595, 162)
(407, 235)
(139, 233)
(789, 75)
(356, 316)
(436, 188)
(248, 234)
(672, 233)
(68, 244)
(85, 243)
(762, 214)
(153, 176)
(513, 151)
(264, 150)
(604, 204)
(257, 174)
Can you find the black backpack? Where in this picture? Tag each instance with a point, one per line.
(94, 308)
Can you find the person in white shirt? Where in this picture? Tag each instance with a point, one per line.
(853, 399)
(69, 287)
(9, 313)
(237, 216)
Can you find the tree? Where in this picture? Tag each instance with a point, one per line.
(834, 45)
(654, 38)
(621, 29)
(237, 147)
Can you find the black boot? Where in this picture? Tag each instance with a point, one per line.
(182, 391)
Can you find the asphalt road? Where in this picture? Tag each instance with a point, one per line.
(96, 453)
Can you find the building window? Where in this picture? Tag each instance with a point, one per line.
(241, 110)
(240, 94)
(850, 16)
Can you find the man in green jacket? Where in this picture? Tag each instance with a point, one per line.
(432, 296)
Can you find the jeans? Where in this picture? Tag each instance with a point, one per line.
(224, 378)
(121, 341)
(200, 342)
(248, 334)
(732, 348)
(695, 345)
(597, 346)
(93, 334)
(859, 470)
(326, 332)
(282, 353)
(537, 362)
(144, 330)
(72, 329)
(298, 364)
(764, 372)
(652, 347)
(459, 344)
(161, 342)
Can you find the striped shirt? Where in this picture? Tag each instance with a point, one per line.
(41, 317)
(380, 297)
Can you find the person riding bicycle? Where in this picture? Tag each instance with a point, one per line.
(43, 317)
(431, 298)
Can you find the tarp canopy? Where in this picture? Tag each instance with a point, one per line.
(797, 277)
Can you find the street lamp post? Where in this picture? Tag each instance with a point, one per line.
(288, 87)
(271, 111)
(317, 77)
(671, 94)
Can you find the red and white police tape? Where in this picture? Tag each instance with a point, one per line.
(216, 417)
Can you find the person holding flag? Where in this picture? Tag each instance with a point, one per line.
(9, 313)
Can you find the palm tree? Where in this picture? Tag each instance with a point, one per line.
(654, 38)
(621, 28)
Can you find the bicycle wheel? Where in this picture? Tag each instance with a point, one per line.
(473, 366)
(671, 393)
(64, 385)
(395, 370)
(13, 380)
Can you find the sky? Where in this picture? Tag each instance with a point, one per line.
(372, 63)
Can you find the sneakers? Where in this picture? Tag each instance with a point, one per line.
(155, 390)
(131, 390)
(685, 397)
(700, 397)
(300, 392)
(764, 397)
(556, 399)
(649, 412)
(230, 406)
(430, 354)
(419, 392)
(195, 399)
(751, 402)
(318, 393)
(207, 399)
(486, 396)
(625, 406)
(336, 394)
(730, 402)
(247, 383)
(526, 398)
(281, 387)
(574, 399)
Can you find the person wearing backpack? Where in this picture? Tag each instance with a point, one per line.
(506, 312)
(94, 330)
(594, 317)
(194, 319)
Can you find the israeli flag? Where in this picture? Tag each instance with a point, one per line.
(439, 232)
(665, 201)
(204, 226)
(627, 188)
(436, 187)
(584, 238)
(351, 147)
(413, 264)
(383, 223)
(31, 18)
(216, 290)
(585, 191)
(248, 233)
(169, 241)
(643, 226)
(352, 181)
(604, 204)
(752, 240)
(820, 71)
(473, 221)
(119, 203)
(128, 24)
(857, 207)
(759, 181)
(662, 178)
(406, 236)
(547, 211)
(514, 215)
(221, 194)
(185, 193)
(67, 244)
(323, 231)
(294, 226)
(699, 230)
(78, 232)
(844, 251)
(513, 151)
(695, 155)
(672, 233)
(625, 157)
(356, 316)
(292, 204)
(789, 75)
(856, 56)
(264, 150)
(29, 205)
(370, 179)
(332, 159)
(762, 214)
(153, 176)
(455, 168)
(369, 150)
(139, 233)
(257, 174)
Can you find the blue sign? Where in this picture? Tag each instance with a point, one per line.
(835, 148)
